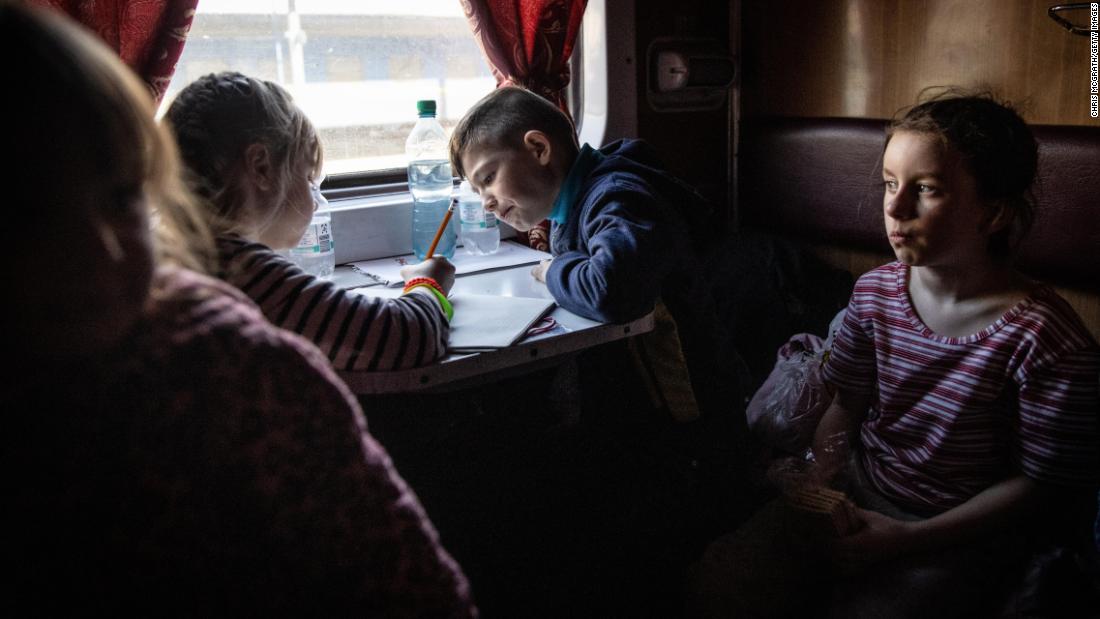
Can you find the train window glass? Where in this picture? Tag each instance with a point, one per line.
(356, 68)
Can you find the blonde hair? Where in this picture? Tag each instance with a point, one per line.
(216, 118)
(89, 117)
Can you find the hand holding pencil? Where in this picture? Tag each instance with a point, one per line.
(435, 267)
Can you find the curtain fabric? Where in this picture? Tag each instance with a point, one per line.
(147, 34)
(528, 43)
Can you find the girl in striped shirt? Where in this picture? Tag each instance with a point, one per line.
(969, 391)
(256, 160)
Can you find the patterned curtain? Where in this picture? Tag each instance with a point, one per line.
(147, 34)
(528, 43)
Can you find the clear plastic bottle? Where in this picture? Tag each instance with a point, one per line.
(477, 227)
(430, 182)
(315, 252)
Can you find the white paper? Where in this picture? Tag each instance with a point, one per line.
(387, 271)
(484, 321)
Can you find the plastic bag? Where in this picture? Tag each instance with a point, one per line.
(786, 409)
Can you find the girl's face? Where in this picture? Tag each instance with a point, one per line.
(296, 210)
(934, 216)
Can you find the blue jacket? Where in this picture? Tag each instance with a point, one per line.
(628, 237)
(633, 234)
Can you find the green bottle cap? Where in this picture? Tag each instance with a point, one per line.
(425, 107)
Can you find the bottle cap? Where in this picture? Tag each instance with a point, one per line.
(425, 107)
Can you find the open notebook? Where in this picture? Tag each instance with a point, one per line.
(386, 271)
(487, 322)
(484, 322)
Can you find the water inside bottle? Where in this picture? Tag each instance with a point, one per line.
(430, 183)
(481, 241)
(318, 265)
(479, 232)
(430, 179)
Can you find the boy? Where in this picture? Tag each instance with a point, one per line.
(627, 238)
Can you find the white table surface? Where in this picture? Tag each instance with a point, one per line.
(461, 370)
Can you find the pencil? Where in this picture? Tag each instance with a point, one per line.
(442, 227)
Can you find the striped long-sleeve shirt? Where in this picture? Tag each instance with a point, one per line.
(952, 416)
(355, 331)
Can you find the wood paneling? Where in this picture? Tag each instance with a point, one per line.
(695, 145)
(870, 58)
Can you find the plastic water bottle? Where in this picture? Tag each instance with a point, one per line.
(430, 182)
(315, 253)
(477, 227)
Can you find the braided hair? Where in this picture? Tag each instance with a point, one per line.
(995, 144)
(216, 118)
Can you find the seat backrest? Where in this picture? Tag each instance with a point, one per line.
(820, 179)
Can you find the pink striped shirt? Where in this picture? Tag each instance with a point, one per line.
(952, 416)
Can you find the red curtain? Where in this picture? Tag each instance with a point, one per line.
(147, 34)
(528, 43)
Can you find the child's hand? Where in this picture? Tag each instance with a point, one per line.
(875, 537)
(539, 272)
(437, 268)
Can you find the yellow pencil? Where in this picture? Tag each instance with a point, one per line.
(442, 227)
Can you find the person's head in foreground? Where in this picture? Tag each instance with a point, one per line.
(95, 168)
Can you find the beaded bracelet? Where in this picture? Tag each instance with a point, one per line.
(448, 310)
(424, 281)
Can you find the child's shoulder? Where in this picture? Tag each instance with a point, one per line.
(634, 150)
(240, 260)
(232, 247)
(888, 279)
(192, 307)
(195, 303)
(206, 318)
(1051, 318)
(629, 173)
(890, 270)
(624, 164)
(246, 363)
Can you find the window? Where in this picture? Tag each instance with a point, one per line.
(355, 67)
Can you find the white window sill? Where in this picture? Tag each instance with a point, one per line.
(376, 227)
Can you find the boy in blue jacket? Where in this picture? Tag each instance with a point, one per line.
(627, 238)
